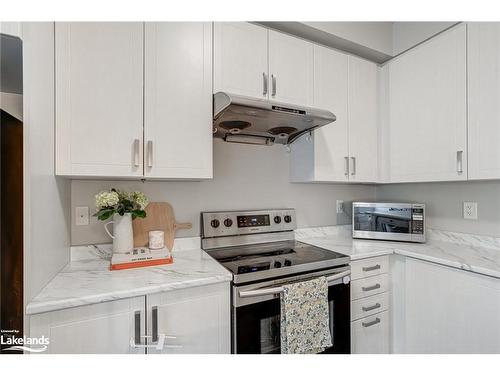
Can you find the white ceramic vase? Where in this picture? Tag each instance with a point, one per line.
(123, 237)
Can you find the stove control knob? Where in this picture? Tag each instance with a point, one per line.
(215, 223)
(288, 219)
(277, 219)
(288, 262)
(228, 222)
(277, 264)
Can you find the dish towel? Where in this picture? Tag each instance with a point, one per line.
(305, 317)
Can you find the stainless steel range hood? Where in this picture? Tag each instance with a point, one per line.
(256, 121)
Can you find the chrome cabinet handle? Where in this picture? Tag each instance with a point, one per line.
(353, 169)
(372, 268)
(137, 328)
(369, 308)
(460, 155)
(154, 324)
(368, 288)
(346, 166)
(264, 83)
(273, 82)
(150, 154)
(136, 152)
(376, 321)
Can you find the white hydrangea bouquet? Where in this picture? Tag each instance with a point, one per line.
(119, 202)
(123, 207)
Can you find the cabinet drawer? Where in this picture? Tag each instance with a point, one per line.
(364, 307)
(369, 267)
(369, 286)
(370, 335)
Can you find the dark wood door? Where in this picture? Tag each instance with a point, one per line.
(11, 228)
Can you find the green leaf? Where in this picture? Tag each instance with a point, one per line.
(138, 213)
(105, 214)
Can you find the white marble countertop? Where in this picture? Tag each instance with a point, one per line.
(468, 252)
(87, 278)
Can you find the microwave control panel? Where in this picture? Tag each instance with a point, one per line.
(417, 220)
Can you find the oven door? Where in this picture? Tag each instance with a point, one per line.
(256, 319)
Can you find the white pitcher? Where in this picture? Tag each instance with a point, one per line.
(123, 237)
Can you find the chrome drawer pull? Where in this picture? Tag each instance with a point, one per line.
(369, 308)
(372, 268)
(368, 288)
(376, 321)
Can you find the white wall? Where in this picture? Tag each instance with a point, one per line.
(47, 198)
(374, 35)
(444, 203)
(245, 177)
(408, 34)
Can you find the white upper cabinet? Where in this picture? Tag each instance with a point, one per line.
(345, 150)
(363, 120)
(99, 98)
(290, 69)
(484, 99)
(178, 100)
(240, 59)
(323, 158)
(427, 110)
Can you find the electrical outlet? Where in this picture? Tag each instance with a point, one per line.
(82, 216)
(340, 206)
(470, 210)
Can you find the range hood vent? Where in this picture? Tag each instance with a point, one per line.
(242, 119)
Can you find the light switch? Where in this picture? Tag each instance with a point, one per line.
(470, 210)
(82, 216)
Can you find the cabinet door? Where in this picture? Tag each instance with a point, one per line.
(484, 97)
(290, 69)
(99, 96)
(428, 110)
(178, 100)
(195, 320)
(450, 310)
(323, 158)
(240, 59)
(330, 92)
(363, 120)
(103, 328)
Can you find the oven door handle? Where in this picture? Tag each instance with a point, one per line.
(279, 289)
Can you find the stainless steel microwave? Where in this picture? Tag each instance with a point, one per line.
(389, 221)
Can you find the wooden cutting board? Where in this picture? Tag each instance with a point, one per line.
(159, 216)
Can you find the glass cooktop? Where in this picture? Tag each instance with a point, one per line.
(259, 261)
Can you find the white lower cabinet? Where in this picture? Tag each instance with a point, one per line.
(370, 306)
(192, 320)
(447, 310)
(105, 327)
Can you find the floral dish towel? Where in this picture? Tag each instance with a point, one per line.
(305, 317)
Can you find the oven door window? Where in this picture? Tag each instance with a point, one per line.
(258, 325)
(382, 219)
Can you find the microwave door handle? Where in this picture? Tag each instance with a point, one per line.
(279, 289)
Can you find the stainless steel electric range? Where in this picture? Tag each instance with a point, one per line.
(260, 250)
